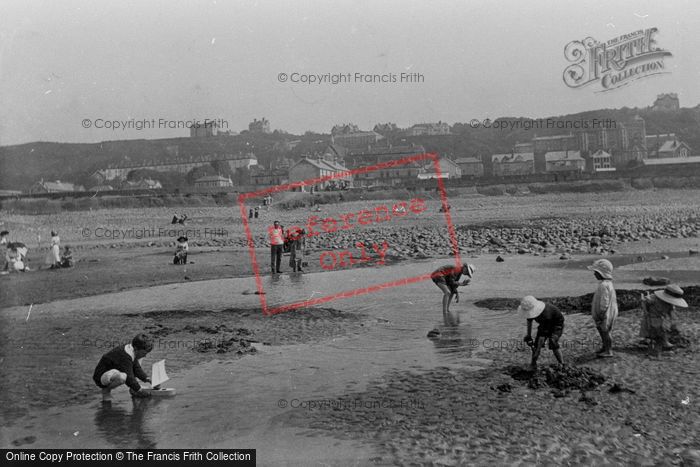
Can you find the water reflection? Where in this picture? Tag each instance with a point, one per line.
(450, 339)
(120, 427)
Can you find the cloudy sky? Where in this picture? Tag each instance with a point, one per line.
(65, 61)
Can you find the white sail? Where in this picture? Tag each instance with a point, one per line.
(158, 374)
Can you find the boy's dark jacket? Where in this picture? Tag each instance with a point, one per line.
(118, 359)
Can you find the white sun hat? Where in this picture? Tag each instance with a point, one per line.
(530, 307)
(602, 267)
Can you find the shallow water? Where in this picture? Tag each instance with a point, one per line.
(245, 403)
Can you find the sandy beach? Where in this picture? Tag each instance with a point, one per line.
(392, 395)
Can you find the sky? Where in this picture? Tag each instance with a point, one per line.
(174, 62)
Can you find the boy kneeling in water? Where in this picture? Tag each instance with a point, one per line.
(121, 366)
(550, 327)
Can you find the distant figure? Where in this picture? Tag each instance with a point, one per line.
(550, 327)
(604, 305)
(181, 250)
(443, 209)
(276, 246)
(15, 256)
(67, 258)
(55, 252)
(122, 365)
(250, 213)
(4, 249)
(297, 249)
(179, 219)
(447, 280)
(257, 211)
(658, 314)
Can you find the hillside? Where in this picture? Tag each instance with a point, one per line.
(22, 165)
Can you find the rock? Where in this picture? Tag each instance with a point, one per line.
(616, 389)
(499, 259)
(434, 333)
(505, 387)
(692, 252)
(664, 257)
(565, 256)
(691, 457)
(654, 281)
(522, 251)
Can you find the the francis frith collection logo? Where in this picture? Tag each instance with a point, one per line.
(615, 63)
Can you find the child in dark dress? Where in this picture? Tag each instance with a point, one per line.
(550, 327)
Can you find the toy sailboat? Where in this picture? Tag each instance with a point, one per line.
(158, 377)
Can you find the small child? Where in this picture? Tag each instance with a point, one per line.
(121, 365)
(447, 279)
(550, 327)
(181, 251)
(67, 258)
(604, 305)
(658, 314)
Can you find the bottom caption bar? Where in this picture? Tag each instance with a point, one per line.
(128, 457)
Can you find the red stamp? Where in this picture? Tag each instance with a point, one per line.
(369, 253)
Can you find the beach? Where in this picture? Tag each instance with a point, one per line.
(362, 369)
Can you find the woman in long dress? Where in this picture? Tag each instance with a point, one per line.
(55, 253)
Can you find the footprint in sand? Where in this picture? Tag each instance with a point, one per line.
(25, 440)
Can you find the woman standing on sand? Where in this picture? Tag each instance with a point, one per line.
(55, 253)
(447, 279)
(658, 311)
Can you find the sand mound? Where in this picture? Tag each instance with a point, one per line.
(566, 378)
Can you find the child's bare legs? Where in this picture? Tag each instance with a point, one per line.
(536, 349)
(114, 379)
(446, 298)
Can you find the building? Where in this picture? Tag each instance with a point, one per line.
(544, 144)
(145, 184)
(204, 129)
(666, 146)
(666, 102)
(600, 161)
(448, 168)
(356, 139)
(259, 126)
(524, 148)
(429, 129)
(564, 161)
(182, 164)
(673, 161)
(377, 154)
(394, 176)
(507, 165)
(336, 153)
(213, 183)
(308, 169)
(261, 176)
(98, 188)
(472, 167)
(54, 187)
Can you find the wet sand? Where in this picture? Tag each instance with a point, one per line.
(635, 410)
(449, 414)
(573, 224)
